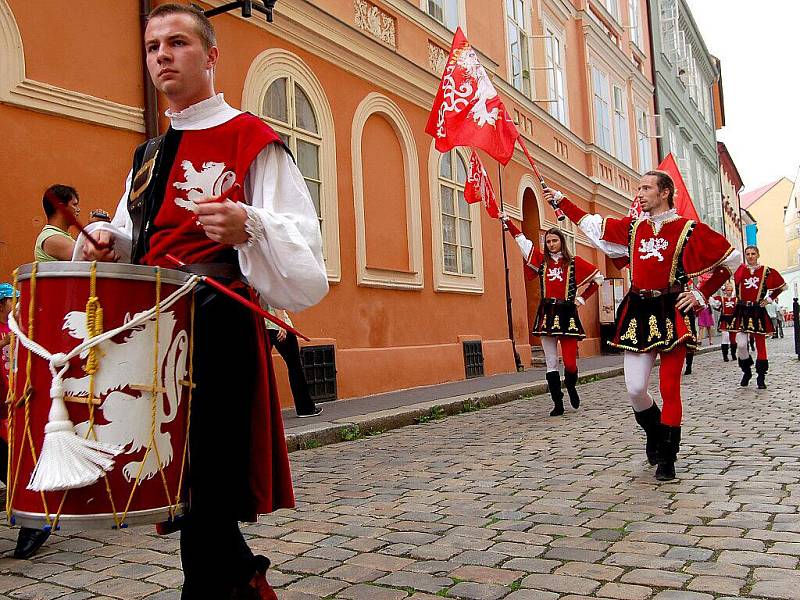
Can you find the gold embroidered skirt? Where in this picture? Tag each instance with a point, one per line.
(645, 324)
(558, 319)
(749, 317)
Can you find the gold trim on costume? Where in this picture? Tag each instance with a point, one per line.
(556, 323)
(670, 329)
(714, 266)
(146, 171)
(572, 325)
(630, 334)
(679, 249)
(653, 325)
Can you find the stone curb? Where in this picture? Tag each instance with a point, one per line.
(352, 428)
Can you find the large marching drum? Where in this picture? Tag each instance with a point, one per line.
(113, 344)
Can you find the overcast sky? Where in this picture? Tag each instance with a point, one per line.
(757, 43)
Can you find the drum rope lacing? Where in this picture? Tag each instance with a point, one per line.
(88, 459)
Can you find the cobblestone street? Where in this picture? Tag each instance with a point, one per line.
(509, 503)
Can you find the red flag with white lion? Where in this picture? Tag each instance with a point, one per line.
(479, 187)
(467, 110)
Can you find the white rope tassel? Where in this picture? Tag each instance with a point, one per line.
(67, 460)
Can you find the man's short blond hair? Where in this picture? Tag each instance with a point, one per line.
(203, 25)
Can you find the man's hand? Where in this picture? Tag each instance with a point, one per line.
(552, 196)
(687, 301)
(5, 340)
(281, 335)
(106, 254)
(223, 222)
(765, 301)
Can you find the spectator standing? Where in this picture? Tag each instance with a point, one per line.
(54, 241)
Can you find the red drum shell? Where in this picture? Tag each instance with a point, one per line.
(122, 385)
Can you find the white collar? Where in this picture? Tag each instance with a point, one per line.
(205, 114)
(556, 256)
(662, 217)
(754, 268)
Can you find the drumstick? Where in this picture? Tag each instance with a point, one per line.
(73, 220)
(243, 301)
(186, 225)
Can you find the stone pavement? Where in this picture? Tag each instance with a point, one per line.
(508, 503)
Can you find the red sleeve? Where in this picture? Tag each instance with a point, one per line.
(737, 277)
(705, 250)
(584, 271)
(589, 291)
(512, 229)
(616, 231)
(574, 213)
(716, 281)
(774, 280)
(535, 259)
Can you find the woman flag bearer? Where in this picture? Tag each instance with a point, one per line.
(560, 276)
(665, 251)
(757, 286)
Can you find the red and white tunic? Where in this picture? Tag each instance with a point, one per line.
(753, 285)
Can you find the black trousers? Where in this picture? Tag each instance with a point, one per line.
(214, 554)
(289, 350)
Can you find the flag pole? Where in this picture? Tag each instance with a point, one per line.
(517, 360)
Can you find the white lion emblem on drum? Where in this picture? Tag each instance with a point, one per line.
(129, 413)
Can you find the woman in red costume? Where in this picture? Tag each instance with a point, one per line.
(560, 276)
(756, 286)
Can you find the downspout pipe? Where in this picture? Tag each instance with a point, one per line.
(654, 74)
(150, 98)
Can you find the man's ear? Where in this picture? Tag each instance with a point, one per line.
(213, 56)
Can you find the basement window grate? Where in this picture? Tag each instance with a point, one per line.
(319, 368)
(473, 359)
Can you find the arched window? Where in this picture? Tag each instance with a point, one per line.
(285, 92)
(457, 247)
(287, 108)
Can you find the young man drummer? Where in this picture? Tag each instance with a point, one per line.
(665, 250)
(757, 286)
(239, 467)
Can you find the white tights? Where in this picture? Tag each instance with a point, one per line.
(742, 349)
(638, 367)
(550, 347)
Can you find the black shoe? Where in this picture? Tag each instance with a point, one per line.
(762, 366)
(689, 363)
(554, 385)
(317, 410)
(668, 453)
(724, 352)
(650, 420)
(570, 380)
(747, 372)
(29, 541)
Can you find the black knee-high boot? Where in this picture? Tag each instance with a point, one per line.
(668, 453)
(650, 420)
(745, 365)
(762, 366)
(689, 362)
(570, 380)
(724, 352)
(733, 351)
(554, 384)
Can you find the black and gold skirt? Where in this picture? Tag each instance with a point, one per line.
(725, 322)
(647, 324)
(750, 317)
(558, 318)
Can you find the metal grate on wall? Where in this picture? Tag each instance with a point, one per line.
(473, 359)
(319, 368)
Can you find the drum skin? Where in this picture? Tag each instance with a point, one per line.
(144, 484)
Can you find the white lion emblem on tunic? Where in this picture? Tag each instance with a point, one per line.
(210, 181)
(556, 273)
(652, 247)
(751, 283)
(128, 413)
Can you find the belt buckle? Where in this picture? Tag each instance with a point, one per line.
(656, 293)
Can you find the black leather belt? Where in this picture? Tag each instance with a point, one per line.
(227, 271)
(556, 301)
(673, 289)
(746, 303)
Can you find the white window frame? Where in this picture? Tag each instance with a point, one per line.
(444, 281)
(556, 73)
(601, 105)
(524, 80)
(612, 6)
(634, 16)
(643, 145)
(452, 12)
(622, 132)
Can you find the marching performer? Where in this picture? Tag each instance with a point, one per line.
(665, 250)
(757, 286)
(239, 466)
(560, 276)
(725, 303)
